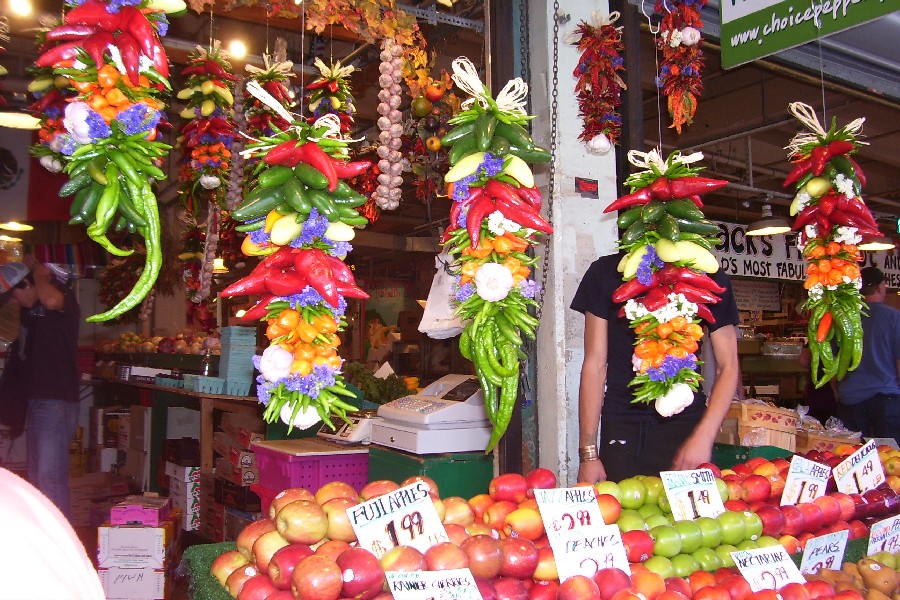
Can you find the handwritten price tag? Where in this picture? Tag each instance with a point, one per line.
(692, 494)
(453, 584)
(404, 517)
(767, 568)
(582, 544)
(885, 536)
(806, 481)
(861, 471)
(824, 552)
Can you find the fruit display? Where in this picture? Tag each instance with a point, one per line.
(183, 342)
(494, 220)
(833, 220)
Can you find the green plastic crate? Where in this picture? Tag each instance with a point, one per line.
(464, 474)
(726, 456)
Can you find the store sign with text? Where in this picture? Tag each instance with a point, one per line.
(777, 256)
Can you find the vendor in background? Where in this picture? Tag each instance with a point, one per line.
(869, 397)
(634, 438)
(46, 352)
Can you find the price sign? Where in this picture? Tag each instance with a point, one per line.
(453, 584)
(806, 481)
(692, 494)
(861, 471)
(768, 568)
(885, 536)
(824, 552)
(404, 517)
(582, 544)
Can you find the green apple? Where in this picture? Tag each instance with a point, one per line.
(684, 564)
(733, 526)
(708, 559)
(655, 521)
(691, 536)
(650, 509)
(663, 502)
(666, 540)
(753, 525)
(609, 487)
(723, 489)
(724, 551)
(660, 565)
(634, 493)
(629, 520)
(764, 541)
(710, 530)
(654, 487)
(747, 544)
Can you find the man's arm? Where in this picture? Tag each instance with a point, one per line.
(698, 447)
(48, 294)
(590, 393)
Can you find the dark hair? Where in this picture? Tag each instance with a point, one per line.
(872, 277)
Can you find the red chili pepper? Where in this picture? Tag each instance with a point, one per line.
(823, 223)
(218, 71)
(160, 62)
(259, 310)
(827, 203)
(137, 24)
(859, 172)
(97, 46)
(633, 288)
(839, 147)
(286, 283)
(697, 201)
(254, 283)
(41, 104)
(351, 291)
(314, 156)
(194, 70)
(65, 33)
(479, 209)
(805, 217)
(670, 275)
(660, 189)
(819, 158)
(456, 209)
(855, 208)
(280, 259)
(824, 326)
(704, 313)
(317, 84)
(800, 169)
(332, 86)
(311, 264)
(131, 56)
(276, 89)
(656, 298)
(285, 154)
(684, 187)
(532, 195)
(847, 220)
(695, 294)
(635, 198)
(522, 214)
(67, 51)
(346, 170)
(93, 12)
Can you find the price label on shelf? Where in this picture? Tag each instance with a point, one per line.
(692, 494)
(582, 544)
(824, 552)
(453, 584)
(861, 471)
(806, 481)
(768, 568)
(884, 536)
(404, 517)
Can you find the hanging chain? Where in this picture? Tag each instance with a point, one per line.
(524, 63)
(551, 183)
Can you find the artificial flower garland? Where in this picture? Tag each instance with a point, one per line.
(832, 219)
(682, 59)
(494, 220)
(111, 54)
(598, 86)
(666, 290)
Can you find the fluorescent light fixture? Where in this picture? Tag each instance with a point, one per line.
(18, 120)
(15, 226)
(874, 244)
(768, 224)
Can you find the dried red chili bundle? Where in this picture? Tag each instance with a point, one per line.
(682, 59)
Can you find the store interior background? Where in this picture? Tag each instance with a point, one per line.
(741, 126)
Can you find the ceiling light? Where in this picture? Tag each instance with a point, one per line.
(874, 244)
(6, 238)
(18, 120)
(20, 8)
(237, 49)
(15, 226)
(768, 225)
(219, 266)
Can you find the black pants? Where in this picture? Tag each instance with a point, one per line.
(879, 416)
(629, 449)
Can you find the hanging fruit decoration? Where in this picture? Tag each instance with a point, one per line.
(682, 59)
(111, 54)
(832, 220)
(667, 289)
(495, 217)
(391, 162)
(301, 217)
(427, 155)
(599, 87)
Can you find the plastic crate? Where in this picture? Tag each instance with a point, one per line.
(204, 385)
(238, 387)
(265, 496)
(309, 463)
(726, 456)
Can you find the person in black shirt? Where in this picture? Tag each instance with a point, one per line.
(634, 438)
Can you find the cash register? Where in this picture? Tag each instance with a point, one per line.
(446, 416)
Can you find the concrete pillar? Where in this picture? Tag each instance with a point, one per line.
(581, 231)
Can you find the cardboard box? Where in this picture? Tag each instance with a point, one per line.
(181, 473)
(235, 474)
(133, 584)
(228, 447)
(140, 421)
(136, 546)
(182, 422)
(124, 430)
(104, 426)
(182, 451)
(236, 496)
(186, 497)
(106, 460)
(139, 374)
(95, 486)
(233, 422)
(235, 520)
(137, 469)
(143, 510)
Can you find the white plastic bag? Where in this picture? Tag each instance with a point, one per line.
(439, 321)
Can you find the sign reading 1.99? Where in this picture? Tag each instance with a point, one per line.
(692, 494)
(404, 517)
(806, 481)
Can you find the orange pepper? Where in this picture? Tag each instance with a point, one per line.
(664, 330)
(503, 245)
(824, 266)
(115, 97)
(817, 252)
(835, 277)
(288, 319)
(301, 367)
(663, 346)
(644, 327)
(82, 86)
(657, 361)
(694, 330)
(851, 271)
(645, 349)
(832, 248)
(107, 76)
(810, 282)
(690, 345)
(469, 268)
(812, 268)
(518, 278)
(678, 352)
(851, 249)
(306, 331)
(838, 263)
(334, 361)
(325, 323)
(678, 323)
(275, 331)
(480, 252)
(108, 113)
(97, 101)
(304, 351)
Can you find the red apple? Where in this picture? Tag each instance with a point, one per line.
(402, 558)
(717, 473)
(258, 587)
(520, 558)
(457, 510)
(736, 505)
(772, 519)
(445, 556)
(335, 489)
(680, 585)
(248, 535)
(225, 564)
(496, 514)
(543, 590)
(283, 562)
(610, 580)
(819, 589)
(317, 577)
(524, 522)
(738, 587)
(510, 588)
(339, 527)
(540, 479)
(579, 587)
(794, 523)
(831, 508)
(610, 508)
(546, 566)
(479, 505)
(456, 533)
(858, 529)
(237, 579)
(361, 573)
(376, 488)
(848, 506)
(265, 546)
(511, 487)
(482, 529)
(331, 548)
(638, 545)
(485, 556)
(430, 484)
(743, 470)
(302, 522)
(281, 595)
(812, 516)
(486, 588)
(286, 497)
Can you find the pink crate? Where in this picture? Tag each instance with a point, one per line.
(265, 497)
(280, 469)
